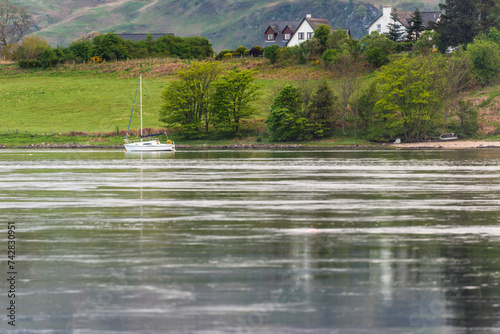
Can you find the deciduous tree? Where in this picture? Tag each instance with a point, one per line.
(321, 34)
(15, 23)
(459, 78)
(411, 95)
(381, 41)
(31, 48)
(231, 102)
(188, 100)
(366, 105)
(348, 76)
(339, 39)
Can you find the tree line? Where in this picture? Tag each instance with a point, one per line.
(414, 95)
(34, 51)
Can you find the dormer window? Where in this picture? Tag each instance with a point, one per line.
(270, 37)
(286, 37)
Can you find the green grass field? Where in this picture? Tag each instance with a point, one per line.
(99, 98)
(75, 103)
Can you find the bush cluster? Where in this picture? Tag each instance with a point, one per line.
(35, 52)
(240, 51)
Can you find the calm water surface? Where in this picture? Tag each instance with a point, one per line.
(253, 241)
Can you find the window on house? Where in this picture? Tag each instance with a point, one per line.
(309, 35)
(379, 27)
(270, 37)
(287, 37)
(301, 35)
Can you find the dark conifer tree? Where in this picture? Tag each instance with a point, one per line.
(395, 34)
(458, 23)
(489, 14)
(416, 27)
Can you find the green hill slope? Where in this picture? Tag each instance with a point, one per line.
(226, 23)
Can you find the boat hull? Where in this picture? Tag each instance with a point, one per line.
(149, 146)
(448, 136)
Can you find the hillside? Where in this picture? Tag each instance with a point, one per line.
(226, 23)
(98, 97)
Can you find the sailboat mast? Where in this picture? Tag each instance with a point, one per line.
(140, 79)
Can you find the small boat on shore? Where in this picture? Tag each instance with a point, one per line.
(448, 136)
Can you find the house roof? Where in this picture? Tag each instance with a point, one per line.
(280, 27)
(292, 28)
(404, 17)
(315, 23)
(430, 17)
(273, 28)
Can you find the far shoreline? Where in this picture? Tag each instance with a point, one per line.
(434, 145)
(452, 144)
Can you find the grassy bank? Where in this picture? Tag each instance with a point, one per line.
(14, 140)
(90, 104)
(33, 139)
(47, 106)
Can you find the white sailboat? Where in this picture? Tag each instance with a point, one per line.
(152, 145)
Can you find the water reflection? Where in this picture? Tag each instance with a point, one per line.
(255, 241)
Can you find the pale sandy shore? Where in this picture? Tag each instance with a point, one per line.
(454, 144)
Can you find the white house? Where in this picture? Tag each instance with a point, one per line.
(306, 28)
(381, 24)
(291, 33)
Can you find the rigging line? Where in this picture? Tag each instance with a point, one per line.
(130, 121)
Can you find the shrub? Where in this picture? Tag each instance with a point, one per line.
(376, 57)
(29, 63)
(49, 58)
(222, 54)
(109, 47)
(272, 53)
(485, 56)
(256, 51)
(468, 116)
(241, 50)
(331, 56)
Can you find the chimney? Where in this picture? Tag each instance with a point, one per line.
(308, 16)
(387, 11)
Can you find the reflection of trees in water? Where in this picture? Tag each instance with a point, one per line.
(471, 278)
(389, 282)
